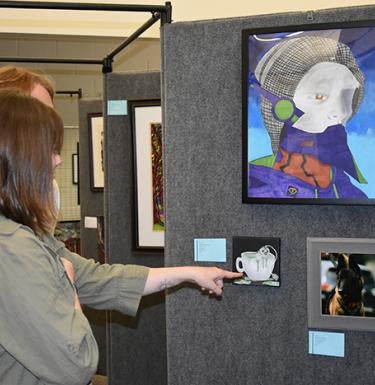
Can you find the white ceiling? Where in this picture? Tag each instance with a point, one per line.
(97, 23)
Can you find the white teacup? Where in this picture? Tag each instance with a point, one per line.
(258, 265)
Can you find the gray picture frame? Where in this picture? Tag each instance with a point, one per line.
(315, 248)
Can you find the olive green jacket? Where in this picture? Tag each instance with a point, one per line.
(43, 339)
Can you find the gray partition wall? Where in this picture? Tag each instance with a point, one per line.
(92, 205)
(91, 202)
(137, 352)
(253, 335)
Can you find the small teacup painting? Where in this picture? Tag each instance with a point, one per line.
(259, 259)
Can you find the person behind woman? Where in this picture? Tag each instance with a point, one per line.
(45, 338)
(32, 83)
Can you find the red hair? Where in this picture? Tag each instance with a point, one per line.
(24, 79)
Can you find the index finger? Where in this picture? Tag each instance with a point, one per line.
(231, 274)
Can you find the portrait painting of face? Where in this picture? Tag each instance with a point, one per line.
(307, 115)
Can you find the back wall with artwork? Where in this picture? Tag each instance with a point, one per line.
(259, 334)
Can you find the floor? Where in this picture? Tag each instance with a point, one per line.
(99, 380)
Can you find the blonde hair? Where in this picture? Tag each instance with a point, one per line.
(30, 133)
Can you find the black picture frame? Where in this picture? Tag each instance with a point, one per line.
(322, 265)
(271, 74)
(96, 147)
(146, 125)
(258, 258)
(78, 185)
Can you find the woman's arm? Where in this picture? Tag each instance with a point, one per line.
(110, 287)
(207, 278)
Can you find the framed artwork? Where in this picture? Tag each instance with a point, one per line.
(258, 258)
(341, 283)
(75, 168)
(146, 121)
(96, 151)
(308, 112)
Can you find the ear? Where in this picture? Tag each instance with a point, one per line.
(341, 262)
(353, 265)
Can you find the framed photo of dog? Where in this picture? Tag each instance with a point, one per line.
(341, 283)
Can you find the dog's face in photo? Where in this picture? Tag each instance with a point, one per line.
(347, 299)
(349, 279)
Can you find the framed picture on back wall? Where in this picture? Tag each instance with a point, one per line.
(96, 148)
(75, 168)
(308, 113)
(146, 122)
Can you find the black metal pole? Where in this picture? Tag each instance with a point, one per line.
(82, 6)
(107, 61)
(166, 16)
(159, 12)
(71, 93)
(49, 60)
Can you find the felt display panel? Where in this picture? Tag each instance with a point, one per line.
(92, 204)
(137, 353)
(253, 335)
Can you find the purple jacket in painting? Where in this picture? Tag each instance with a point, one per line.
(329, 147)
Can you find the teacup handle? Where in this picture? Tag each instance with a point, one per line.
(274, 250)
(239, 268)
